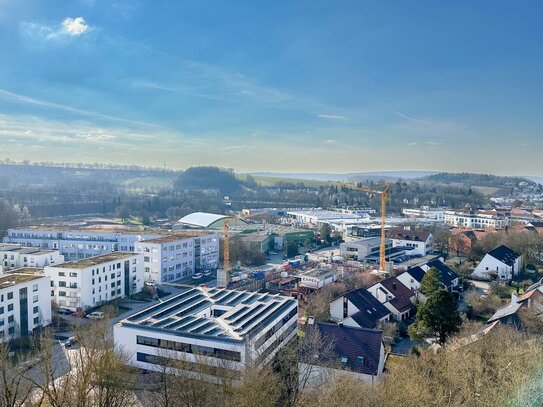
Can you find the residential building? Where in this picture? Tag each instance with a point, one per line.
(394, 295)
(417, 242)
(366, 231)
(177, 256)
(14, 256)
(88, 283)
(424, 213)
(317, 278)
(359, 308)
(218, 332)
(501, 263)
(475, 220)
(448, 277)
(412, 278)
(358, 352)
(25, 304)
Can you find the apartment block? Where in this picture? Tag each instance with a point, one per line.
(14, 256)
(25, 304)
(90, 282)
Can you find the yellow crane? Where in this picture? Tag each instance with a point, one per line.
(383, 193)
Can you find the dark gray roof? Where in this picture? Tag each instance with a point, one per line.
(447, 275)
(370, 309)
(358, 349)
(505, 255)
(416, 272)
(402, 294)
(412, 235)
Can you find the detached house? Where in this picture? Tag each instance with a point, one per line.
(394, 295)
(501, 263)
(418, 242)
(412, 278)
(448, 277)
(359, 308)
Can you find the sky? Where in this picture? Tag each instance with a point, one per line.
(284, 86)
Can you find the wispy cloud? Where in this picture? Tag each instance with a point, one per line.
(330, 141)
(415, 120)
(69, 27)
(26, 100)
(332, 116)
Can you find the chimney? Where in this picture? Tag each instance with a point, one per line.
(394, 286)
(514, 298)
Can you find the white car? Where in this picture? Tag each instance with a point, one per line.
(96, 315)
(207, 273)
(197, 276)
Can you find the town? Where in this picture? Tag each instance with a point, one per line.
(214, 301)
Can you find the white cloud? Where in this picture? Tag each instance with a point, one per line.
(330, 141)
(75, 26)
(331, 116)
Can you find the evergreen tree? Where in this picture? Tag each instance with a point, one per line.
(431, 282)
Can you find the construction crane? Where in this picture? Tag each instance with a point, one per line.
(383, 193)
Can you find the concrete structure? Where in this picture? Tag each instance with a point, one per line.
(14, 256)
(317, 217)
(217, 332)
(501, 263)
(475, 220)
(88, 283)
(261, 242)
(418, 242)
(25, 304)
(318, 278)
(284, 236)
(174, 257)
(367, 250)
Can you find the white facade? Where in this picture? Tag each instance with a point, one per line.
(490, 267)
(14, 256)
(317, 217)
(25, 304)
(418, 247)
(88, 283)
(317, 278)
(218, 332)
(475, 220)
(175, 257)
(424, 213)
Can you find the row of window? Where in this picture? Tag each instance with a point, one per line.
(188, 348)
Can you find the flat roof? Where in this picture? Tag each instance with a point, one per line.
(26, 270)
(17, 248)
(247, 313)
(254, 237)
(93, 261)
(9, 280)
(175, 237)
(318, 272)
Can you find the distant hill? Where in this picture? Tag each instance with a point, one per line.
(470, 179)
(346, 177)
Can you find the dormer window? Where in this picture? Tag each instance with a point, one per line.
(360, 360)
(344, 359)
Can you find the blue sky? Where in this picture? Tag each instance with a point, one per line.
(309, 86)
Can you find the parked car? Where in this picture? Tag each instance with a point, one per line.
(197, 276)
(96, 315)
(272, 252)
(64, 311)
(79, 314)
(207, 273)
(71, 341)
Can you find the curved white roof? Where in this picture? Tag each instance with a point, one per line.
(201, 219)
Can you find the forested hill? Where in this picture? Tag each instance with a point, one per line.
(470, 179)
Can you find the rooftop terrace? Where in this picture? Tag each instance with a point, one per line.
(9, 280)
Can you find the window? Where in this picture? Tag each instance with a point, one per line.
(360, 360)
(35, 287)
(62, 293)
(35, 298)
(62, 283)
(62, 274)
(35, 310)
(72, 274)
(11, 319)
(10, 296)
(1, 310)
(344, 359)
(36, 320)
(10, 307)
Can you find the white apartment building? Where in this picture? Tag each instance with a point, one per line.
(88, 283)
(25, 304)
(475, 220)
(218, 332)
(74, 243)
(171, 258)
(424, 213)
(14, 256)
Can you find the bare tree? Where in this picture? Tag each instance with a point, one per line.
(15, 390)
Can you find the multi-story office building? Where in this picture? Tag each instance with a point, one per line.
(170, 258)
(87, 283)
(25, 304)
(215, 332)
(77, 244)
(475, 220)
(14, 256)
